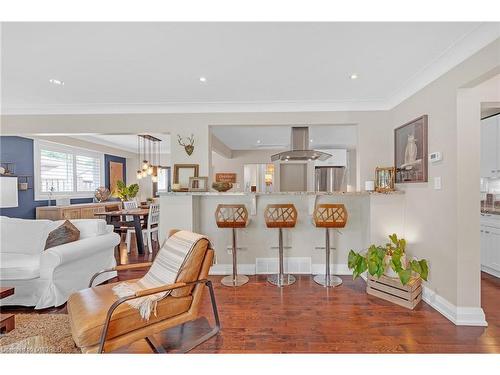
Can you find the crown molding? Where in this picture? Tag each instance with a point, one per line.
(462, 49)
(457, 53)
(196, 107)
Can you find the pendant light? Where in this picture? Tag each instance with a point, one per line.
(149, 170)
(145, 162)
(156, 159)
(139, 172)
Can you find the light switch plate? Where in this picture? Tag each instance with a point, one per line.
(437, 183)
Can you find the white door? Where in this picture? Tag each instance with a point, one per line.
(489, 147)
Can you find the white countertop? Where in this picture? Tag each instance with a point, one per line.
(307, 193)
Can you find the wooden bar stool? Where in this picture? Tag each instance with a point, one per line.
(280, 216)
(232, 216)
(329, 216)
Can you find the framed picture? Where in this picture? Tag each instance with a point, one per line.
(384, 179)
(198, 183)
(182, 173)
(410, 151)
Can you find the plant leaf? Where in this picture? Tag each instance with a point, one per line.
(415, 266)
(425, 269)
(351, 259)
(394, 239)
(404, 276)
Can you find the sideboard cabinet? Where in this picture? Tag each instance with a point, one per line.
(73, 211)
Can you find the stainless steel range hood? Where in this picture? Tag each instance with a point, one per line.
(300, 147)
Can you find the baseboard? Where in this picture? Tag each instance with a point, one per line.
(490, 271)
(335, 269)
(249, 269)
(227, 269)
(460, 316)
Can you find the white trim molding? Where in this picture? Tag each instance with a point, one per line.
(227, 269)
(460, 316)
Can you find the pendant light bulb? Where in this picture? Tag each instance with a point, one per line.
(144, 174)
(154, 178)
(150, 170)
(139, 175)
(145, 165)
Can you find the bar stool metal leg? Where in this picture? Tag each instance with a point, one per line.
(234, 279)
(327, 279)
(281, 279)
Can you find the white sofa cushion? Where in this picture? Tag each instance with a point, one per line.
(19, 266)
(87, 227)
(22, 236)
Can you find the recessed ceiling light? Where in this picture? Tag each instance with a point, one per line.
(353, 76)
(310, 140)
(258, 141)
(203, 79)
(56, 82)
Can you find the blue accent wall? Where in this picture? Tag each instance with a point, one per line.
(117, 159)
(19, 150)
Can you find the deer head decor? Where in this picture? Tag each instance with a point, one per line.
(188, 143)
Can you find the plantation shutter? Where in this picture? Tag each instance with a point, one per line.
(88, 173)
(56, 171)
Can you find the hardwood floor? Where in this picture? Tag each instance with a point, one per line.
(307, 318)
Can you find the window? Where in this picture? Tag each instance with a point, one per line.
(163, 178)
(65, 171)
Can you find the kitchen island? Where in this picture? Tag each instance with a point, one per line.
(372, 216)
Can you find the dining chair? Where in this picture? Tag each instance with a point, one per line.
(151, 228)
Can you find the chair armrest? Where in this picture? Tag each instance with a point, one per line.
(73, 251)
(164, 288)
(122, 267)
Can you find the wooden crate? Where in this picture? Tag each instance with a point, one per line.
(391, 289)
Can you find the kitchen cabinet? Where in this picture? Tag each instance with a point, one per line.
(490, 249)
(490, 145)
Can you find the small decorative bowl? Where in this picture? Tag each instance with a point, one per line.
(222, 186)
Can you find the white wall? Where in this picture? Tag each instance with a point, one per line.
(432, 216)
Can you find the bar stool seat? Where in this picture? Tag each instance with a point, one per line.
(329, 216)
(232, 216)
(280, 216)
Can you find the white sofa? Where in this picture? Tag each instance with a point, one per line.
(46, 278)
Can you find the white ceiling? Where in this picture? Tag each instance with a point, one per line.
(278, 137)
(155, 67)
(125, 142)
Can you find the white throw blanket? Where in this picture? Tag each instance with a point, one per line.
(164, 270)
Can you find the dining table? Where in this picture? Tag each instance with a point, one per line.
(137, 214)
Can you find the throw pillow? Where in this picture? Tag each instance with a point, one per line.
(64, 233)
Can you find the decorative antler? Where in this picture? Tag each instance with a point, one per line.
(188, 147)
(181, 140)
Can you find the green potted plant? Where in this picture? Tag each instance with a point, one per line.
(124, 192)
(389, 260)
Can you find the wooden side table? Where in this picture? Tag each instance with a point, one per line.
(7, 321)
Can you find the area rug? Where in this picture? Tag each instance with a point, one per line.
(39, 333)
